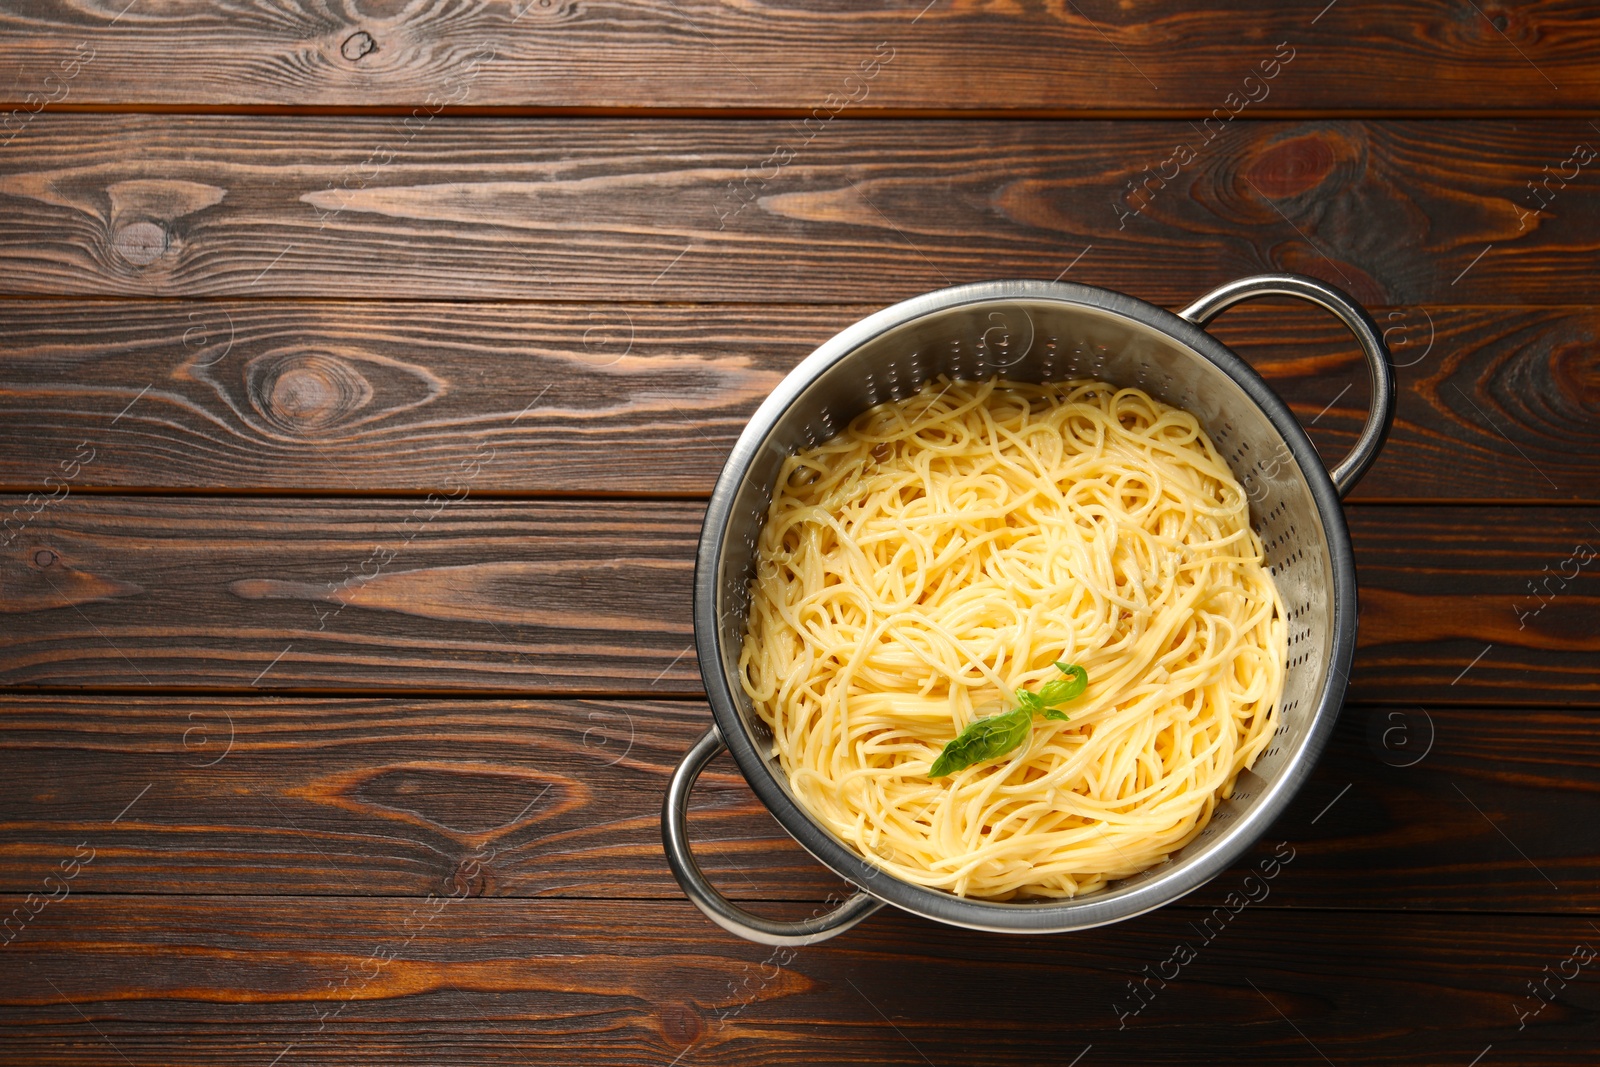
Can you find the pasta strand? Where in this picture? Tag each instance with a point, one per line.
(945, 551)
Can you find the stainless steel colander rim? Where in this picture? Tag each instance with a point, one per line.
(1115, 903)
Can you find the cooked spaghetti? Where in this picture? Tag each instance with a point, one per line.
(919, 570)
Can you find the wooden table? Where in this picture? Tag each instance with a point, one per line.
(366, 367)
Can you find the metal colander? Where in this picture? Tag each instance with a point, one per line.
(1039, 332)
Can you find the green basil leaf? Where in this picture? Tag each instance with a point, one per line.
(1052, 693)
(995, 735)
(984, 739)
(1075, 682)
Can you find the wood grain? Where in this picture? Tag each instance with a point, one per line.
(345, 396)
(239, 980)
(512, 798)
(1094, 55)
(381, 348)
(1399, 213)
(593, 597)
(265, 795)
(1501, 603)
(444, 593)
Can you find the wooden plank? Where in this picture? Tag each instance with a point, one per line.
(1093, 56)
(1455, 809)
(241, 980)
(1459, 604)
(1497, 602)
(447, 593)
(344, 396)
(1400, 213)
(265, 795)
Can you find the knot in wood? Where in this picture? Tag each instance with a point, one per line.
(358, 46)
(140, 242)
(469, 879)
(1575, 372)
(1295, 166)
(681, 1024)
(308, 392)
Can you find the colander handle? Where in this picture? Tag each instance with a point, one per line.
(718, 908)
(1379, 363)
